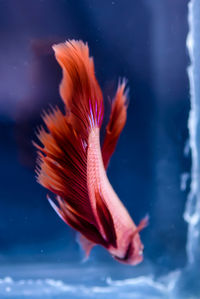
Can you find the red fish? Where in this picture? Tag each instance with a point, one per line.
(72, 164)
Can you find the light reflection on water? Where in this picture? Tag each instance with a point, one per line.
(61, 281)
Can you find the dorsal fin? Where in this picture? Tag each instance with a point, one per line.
(116, 123)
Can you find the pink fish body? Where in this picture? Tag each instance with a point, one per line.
(72, 163)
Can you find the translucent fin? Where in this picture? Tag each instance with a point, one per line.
(86, 245)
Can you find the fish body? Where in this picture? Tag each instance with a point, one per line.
(97, 178)
(72, 163)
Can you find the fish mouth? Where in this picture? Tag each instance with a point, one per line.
(127, 255)
(135, 260)
(130, 257)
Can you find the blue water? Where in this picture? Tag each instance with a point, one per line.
(68, 281)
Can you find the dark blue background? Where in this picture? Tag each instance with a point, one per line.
(142, 40)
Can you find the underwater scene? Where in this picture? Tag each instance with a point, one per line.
(100, 149)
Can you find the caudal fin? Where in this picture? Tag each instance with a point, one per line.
(79, 88)
(62, 163)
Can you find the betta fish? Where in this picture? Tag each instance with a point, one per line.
(72, 164)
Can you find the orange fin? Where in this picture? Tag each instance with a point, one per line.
(116, 123)
(86, 245)
(79, 88)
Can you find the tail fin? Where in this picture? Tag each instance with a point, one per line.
(116, 123)
(79, 88)
(62, 163)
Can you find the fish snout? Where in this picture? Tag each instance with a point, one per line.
(133, 254)
(136, 259)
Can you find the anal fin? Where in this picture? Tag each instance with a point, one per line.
(86, 245)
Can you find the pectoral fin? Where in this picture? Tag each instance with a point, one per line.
(143, 223)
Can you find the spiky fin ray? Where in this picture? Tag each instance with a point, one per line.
(116, 123)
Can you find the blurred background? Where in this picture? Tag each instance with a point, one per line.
(142, 40)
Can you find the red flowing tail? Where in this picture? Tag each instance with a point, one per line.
(79, 88)
(62, 166)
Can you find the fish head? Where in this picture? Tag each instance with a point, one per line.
(134, 252)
